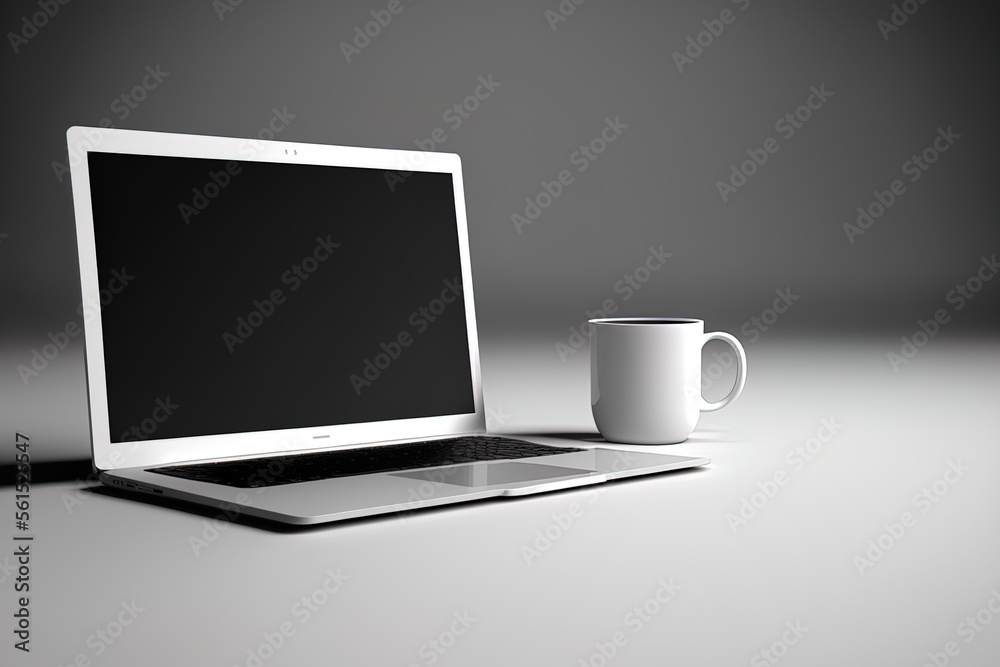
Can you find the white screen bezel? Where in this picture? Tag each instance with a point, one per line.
(115, 456)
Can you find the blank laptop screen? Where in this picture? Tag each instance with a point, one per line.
(244, 296)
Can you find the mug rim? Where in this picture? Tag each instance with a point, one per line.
(645, 321)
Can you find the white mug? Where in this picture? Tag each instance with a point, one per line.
(645, 378)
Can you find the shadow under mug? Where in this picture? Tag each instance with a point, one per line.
(645, 378)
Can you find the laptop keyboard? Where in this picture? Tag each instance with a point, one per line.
(290, 469)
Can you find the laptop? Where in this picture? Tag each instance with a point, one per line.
(287, 331)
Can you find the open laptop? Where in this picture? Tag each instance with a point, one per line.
(287, 331)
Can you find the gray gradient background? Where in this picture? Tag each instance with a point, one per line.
(655, 185)
(823, 359)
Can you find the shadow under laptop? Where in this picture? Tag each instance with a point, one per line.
(378, 519)
(49, 471)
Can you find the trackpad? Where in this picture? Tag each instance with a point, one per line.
(488, 474)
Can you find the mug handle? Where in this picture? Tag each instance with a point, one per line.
(741, 371)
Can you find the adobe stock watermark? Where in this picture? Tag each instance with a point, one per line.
(561, 523)
(121, 107)
(915, 167)
(779, 648)
(898, 17)
(626, 287)
(104, 637)
(427, 488)
(419, 320)
(795, 460)
(7, 569)
(212, 529)
(436, 479)
(581, 158)
(923, 501)
(434, 648)
(636, 619)
(562, 12)
(277, 123)
(93, 137)
(302, 611)
(786, 126)
(75, 498)
(363, 34)
(957, 298)
(259, 480)
(968, 630)
(223, 7)
(59, 340)
(263, 309)
(696, 44)
(162, 410)
(218, 180)
(759, 324)
(31, 24)
(752, 329)
(454, 116)
(496, 418)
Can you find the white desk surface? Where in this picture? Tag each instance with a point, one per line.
(406, 584)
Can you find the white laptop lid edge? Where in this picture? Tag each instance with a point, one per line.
(108, 455)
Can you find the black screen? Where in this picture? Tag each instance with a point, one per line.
(244, 296)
